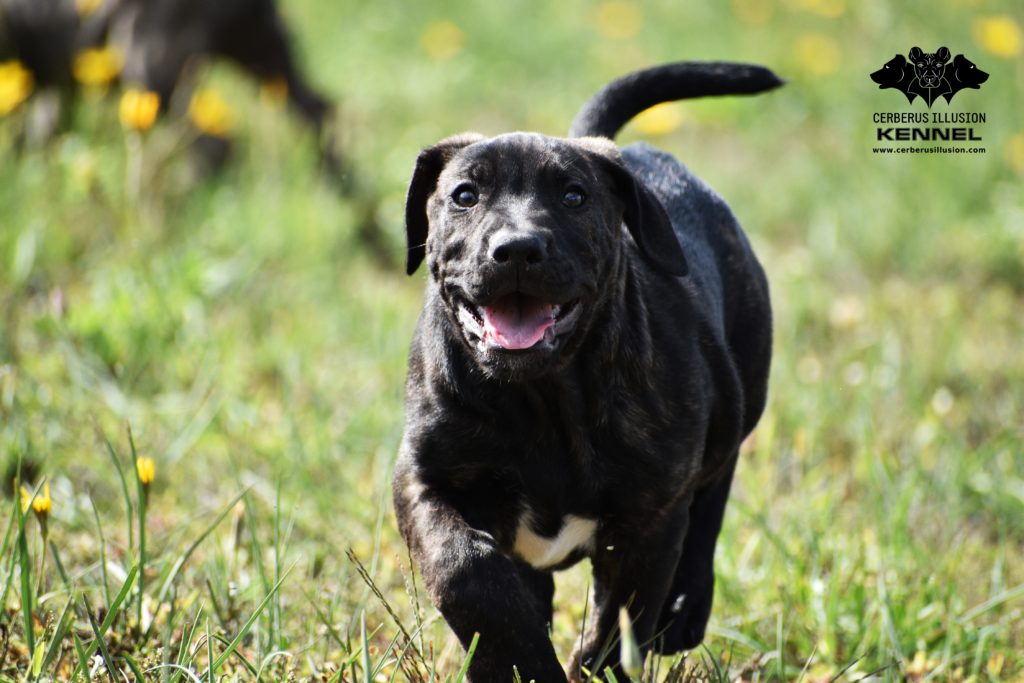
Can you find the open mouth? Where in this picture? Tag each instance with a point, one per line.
(517, 321)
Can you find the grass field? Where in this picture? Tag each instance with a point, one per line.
(238, 326)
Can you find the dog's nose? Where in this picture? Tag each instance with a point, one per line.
(518, 247)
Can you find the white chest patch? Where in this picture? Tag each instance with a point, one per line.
(542, 552)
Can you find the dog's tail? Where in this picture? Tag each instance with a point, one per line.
(619, 101)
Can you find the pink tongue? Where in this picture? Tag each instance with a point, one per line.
(517, 321)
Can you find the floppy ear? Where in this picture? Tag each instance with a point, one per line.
(943, 54)
(915, 54)
(429, 165)
(650, 225)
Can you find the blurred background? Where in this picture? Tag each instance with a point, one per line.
(201, 238)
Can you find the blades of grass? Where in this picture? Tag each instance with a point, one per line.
(330, 628)
(249, 666)
(129, 507)
(470, 651)
(994, 601)
(610, 676)
(140, 677)
(26, 579)
(629, 649)
(102, 643)
(384, 657)
(209, 652)
(122, 595)
(255, 549)
(12, 558)
(364, 646)
(401, 659)
(248, 624)
(176, 667)
(180, 562)
(60, 566)
(337, 675)
(779, 646)
(83, 658)
(275, 608)
(53, 649)
(268, 659)
(141, 497)
(186, 640)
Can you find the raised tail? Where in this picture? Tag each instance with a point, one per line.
(619, 101)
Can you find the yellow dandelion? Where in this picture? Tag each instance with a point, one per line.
(754, 12)
(146, 469)
(442, 40)
(42, 505)
(817, 54)
(274, 92)
(87, 7)
(999, 35)
(138, 109)
(619, 19)
(210, 113)
(97, 66)
(1015, 152)
(661, 119)
(15, 85)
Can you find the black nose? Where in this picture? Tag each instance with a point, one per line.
(518, 247)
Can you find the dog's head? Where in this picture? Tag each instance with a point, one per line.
(967, 74)
(929, 66)
(892, 73)
(523, 236)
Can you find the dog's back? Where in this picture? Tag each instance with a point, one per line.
(728, 284)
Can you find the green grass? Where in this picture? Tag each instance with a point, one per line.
(239, 327)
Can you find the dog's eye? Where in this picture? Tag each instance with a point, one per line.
(573, 197)
(465, 196)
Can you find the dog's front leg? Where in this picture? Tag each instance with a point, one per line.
(633, 571)
(478, 588)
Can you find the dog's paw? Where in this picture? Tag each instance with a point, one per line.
(684, 620)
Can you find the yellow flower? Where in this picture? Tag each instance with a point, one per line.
(1000, 35)
(146, 469)
(138, 109)
(42, 505)
(274, 92)
(619, 19)
(210, 113)
(87, 7)
(661, 119)
(15, 85)
(97, 66)
(442, 40)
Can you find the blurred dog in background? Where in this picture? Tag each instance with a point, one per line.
(163, 45)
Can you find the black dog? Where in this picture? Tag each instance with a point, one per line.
(930, 69)
(896, 73)
(962, 74)
(594, 346)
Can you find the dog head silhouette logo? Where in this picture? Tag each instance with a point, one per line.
(929, 75)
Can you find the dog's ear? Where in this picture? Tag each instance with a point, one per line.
(644, 215)
(943, 54)
(429, 165)
(915, 53)
(650, 225)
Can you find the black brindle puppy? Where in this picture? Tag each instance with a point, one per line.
(593, 348)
